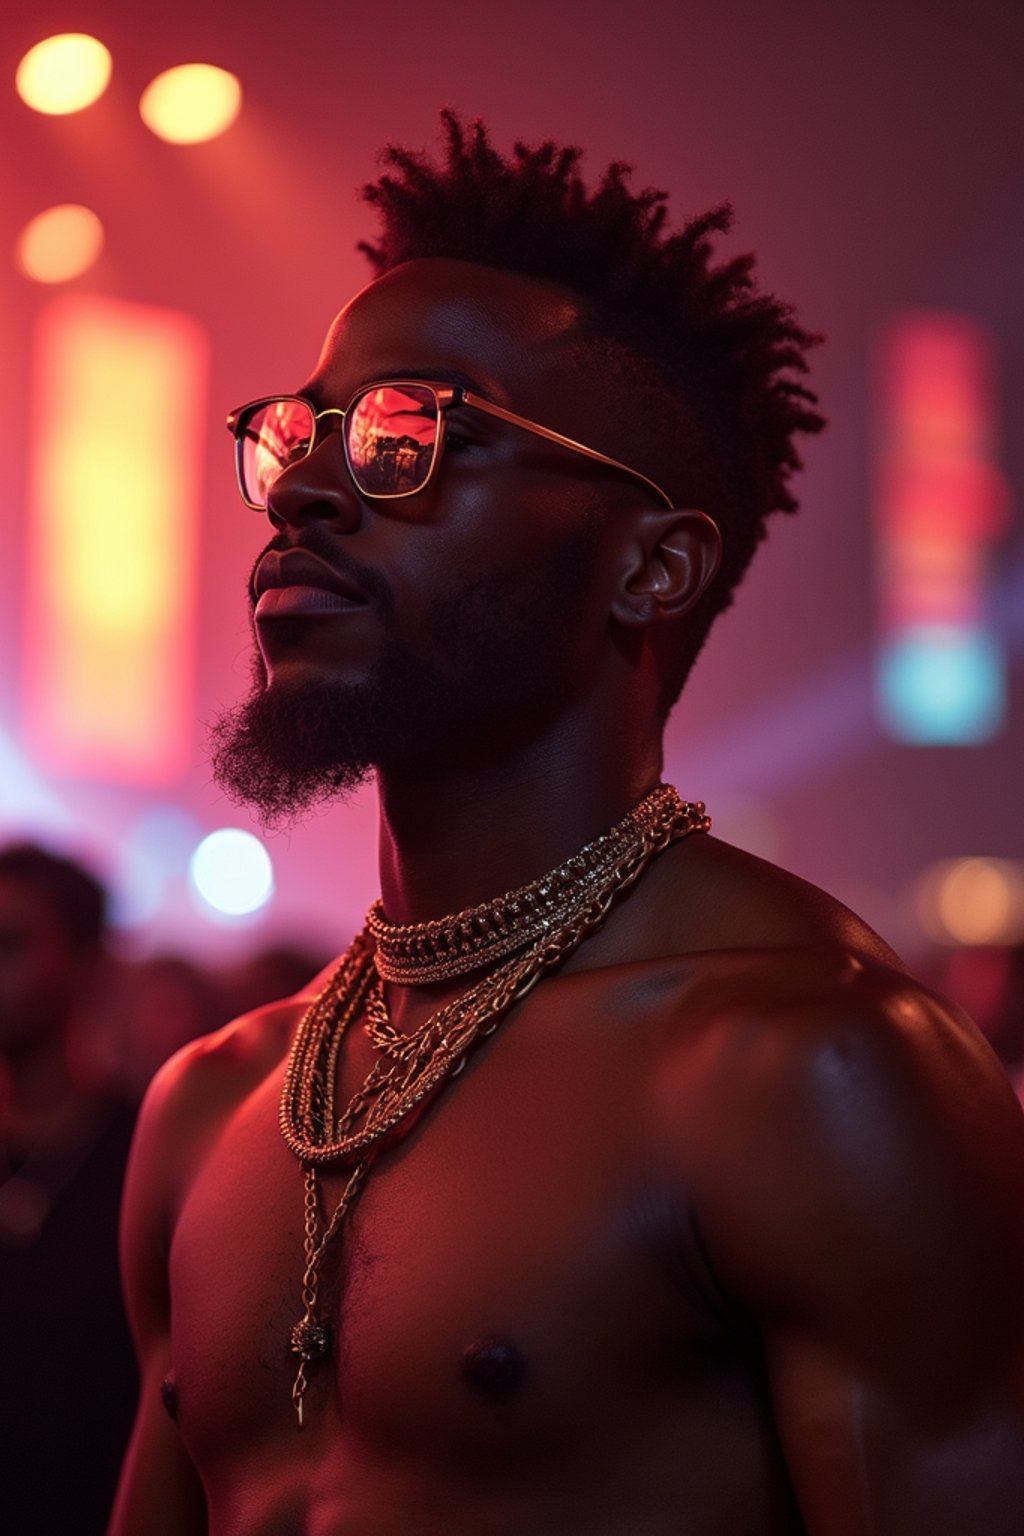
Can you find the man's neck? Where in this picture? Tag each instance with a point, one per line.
(453, 839)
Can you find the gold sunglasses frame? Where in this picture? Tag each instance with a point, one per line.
(447, 397)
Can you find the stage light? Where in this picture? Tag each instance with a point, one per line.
(116, 441)
(191, 103)
(63, 74)
(60, 243)
(231, 872)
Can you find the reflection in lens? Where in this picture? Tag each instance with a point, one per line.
(273, 437)
(391, 433)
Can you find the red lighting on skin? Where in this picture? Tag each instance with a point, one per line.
(116, 453)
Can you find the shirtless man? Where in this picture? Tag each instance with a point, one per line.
(721, 1230)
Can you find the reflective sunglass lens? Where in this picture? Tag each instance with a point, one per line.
(272, 436)
(391, 439)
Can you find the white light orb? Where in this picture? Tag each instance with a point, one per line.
(232, 873)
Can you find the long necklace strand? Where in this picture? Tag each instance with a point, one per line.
(412, 1066)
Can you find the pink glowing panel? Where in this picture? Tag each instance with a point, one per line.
(940, 502)
(117, 440)
(940, 497)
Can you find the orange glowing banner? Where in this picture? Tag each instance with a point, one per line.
(117, 444)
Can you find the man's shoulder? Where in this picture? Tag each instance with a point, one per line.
(735, 952)
(773, 1013)
(840, 1130)
(791, 1010)
(810, 1077)
(720, 897)
(218, 1067)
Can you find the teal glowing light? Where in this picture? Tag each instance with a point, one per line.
(942, 685)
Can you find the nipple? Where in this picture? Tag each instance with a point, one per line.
(494, 1367)
(169, 1396)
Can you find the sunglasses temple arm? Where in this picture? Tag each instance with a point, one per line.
(565, 442)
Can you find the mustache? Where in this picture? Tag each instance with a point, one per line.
(317, 541)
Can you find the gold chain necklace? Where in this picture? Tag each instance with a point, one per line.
(412, 1066)
(416, 954)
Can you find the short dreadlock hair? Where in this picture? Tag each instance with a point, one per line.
(706, 357)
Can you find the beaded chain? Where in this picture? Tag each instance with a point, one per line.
(416, 954)
(412, 1066)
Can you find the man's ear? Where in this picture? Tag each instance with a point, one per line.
(671, 561)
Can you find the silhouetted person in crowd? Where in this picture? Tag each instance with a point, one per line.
(277, 971)
(614, 1181)
(167, 1000)
(67, 1375)
(988, 980)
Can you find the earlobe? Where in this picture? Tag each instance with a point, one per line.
(674, 559)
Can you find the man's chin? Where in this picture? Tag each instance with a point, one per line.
(291, 747)
(306, 737)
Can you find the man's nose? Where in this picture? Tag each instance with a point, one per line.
(318, 488)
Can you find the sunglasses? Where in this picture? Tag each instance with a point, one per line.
(392, 433)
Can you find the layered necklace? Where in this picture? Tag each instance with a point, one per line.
(515, 938)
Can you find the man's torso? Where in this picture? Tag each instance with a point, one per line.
(528, 1334)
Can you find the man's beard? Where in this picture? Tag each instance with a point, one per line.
(496, 656)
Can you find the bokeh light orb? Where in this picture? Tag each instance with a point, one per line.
(60, 243)
(232, 873)
(191, 103)
(63, 73)
(973, 901)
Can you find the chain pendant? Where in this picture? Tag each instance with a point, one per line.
(310, 1337)
(311, 1341)
(298, 1393)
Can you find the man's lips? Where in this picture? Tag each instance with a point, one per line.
(295, 582)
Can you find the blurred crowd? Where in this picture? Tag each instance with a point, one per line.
(987, 981)
(81, 1034)
(154, 1006)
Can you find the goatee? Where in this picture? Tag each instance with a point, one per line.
(497, 669)
(293, 747)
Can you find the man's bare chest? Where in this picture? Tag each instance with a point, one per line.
(504, 1257)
